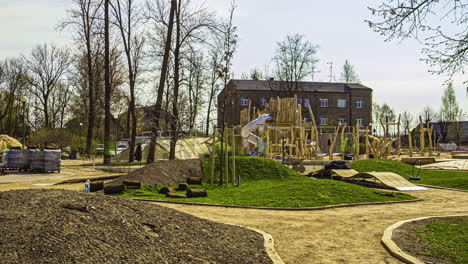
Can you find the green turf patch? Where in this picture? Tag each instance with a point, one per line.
(121, 163)
(267, 183)
(449, 179)
(448, 238)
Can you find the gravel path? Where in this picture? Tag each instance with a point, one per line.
(342, 235)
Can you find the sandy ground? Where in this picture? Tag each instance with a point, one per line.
(71, 169)
(341, 235)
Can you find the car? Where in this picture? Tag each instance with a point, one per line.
(100, 149)
(121, 146)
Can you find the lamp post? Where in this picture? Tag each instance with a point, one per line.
(116, 117)
(81, 132)
(24, 100)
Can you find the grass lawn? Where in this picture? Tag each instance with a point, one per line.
(268, 183)
(450, 179)
(447, 237)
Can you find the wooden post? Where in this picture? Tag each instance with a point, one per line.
(250, 116)
(421, 136)
(429, 134)
(353, 142)
(399, 137)
(213, 155)
(410, 140)
(226, 155)
(233, 178)
(332, 143)
(358, 125)
(312, 119)
(367, 142)
(343, 143)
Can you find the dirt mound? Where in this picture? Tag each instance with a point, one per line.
(60, 226)
(8, 142)
(165, 172)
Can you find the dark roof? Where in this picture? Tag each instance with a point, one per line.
(463, 125)
(254, 85)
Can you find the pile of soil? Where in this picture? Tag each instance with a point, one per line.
(164, 172)
(8, 142)
(60, 226)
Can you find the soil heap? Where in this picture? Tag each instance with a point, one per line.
(61, 226)
(164, 172)
(9, 142)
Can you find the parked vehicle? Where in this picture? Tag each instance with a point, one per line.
(122, 145)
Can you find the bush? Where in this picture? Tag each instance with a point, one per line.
(45, 137)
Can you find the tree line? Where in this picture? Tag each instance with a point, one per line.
(448, 117)
(177, 54)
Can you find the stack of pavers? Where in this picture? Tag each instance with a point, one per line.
(45, 160)
(16, 159)
(52, 160)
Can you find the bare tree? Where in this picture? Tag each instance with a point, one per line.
(47, 66)
(428, 113)
(107, 86)
(349, 75)
(127, 20)
(192, 25)
(229, 40)
(13, 83)
(214, 86)
(294, 61)
(195, 82)
(84, 19)
(162, 80)
(428, 21)
(406, 119)
(450, 114)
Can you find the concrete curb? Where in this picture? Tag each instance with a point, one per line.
(269, 245)
(442, 188)
(397, 252)
(277, 208)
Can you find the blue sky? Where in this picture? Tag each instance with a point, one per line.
(392, 69)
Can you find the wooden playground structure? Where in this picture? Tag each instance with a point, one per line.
(290, 135)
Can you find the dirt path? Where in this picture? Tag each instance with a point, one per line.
(342, 235)
(71, 169)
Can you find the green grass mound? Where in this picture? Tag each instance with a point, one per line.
(268, 183)
(253, 168)
(449, 179)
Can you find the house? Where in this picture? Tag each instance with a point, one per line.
(331, 103)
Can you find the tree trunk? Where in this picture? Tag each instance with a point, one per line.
(175, 107)
(89, 137)
(131, 156)
(107, 87)
(162, 80)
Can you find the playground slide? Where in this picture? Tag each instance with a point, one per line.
(249, 138)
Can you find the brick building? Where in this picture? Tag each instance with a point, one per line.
(330, 102)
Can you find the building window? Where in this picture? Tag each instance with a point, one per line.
(263, 101)
(323, 120)
(299, 101)
(341, 103)
(323, 102)
(306, 102)
(360, 121)
(359, 103)
(244, 101)
(341, 121)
